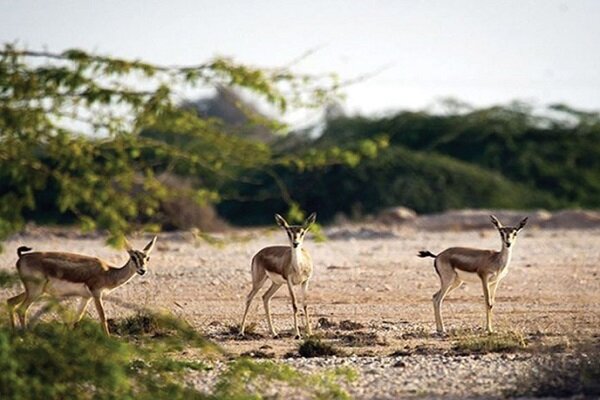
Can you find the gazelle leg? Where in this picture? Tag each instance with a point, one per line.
(267, 302)
(488, 303)
(33, 292)
(493, 287)
(307, 326)
(13, 304)
(101, 314)
(255, 288)
(448, 284)
(50, 304)
(294, 307)
(83, 304)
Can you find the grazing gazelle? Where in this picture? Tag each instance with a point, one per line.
(72, 275)
(458, 264)
(289, 265)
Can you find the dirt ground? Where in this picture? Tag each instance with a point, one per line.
(369, 291)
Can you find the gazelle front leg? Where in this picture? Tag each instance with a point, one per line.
(267, 302)
(488, 303)
(101, 314)
(83, 304)
(493, 287)
(294, 307)
(307, 326)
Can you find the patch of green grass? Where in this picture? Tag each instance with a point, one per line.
(314, 347)
(505, 342)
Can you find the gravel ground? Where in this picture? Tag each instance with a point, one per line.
(370, 276)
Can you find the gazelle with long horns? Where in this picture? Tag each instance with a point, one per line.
(64, 275)
(458, 264)
(283, 265)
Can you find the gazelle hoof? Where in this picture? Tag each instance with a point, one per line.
(441, 333)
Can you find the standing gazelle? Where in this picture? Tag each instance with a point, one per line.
(72, 275)
(289, 265)
(458, 264)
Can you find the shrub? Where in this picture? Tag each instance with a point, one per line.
(313, 347)
(494, 343)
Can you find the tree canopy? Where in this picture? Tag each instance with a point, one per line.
(76, 135)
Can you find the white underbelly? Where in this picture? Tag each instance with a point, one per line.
(276, 278)
(474, 277)
(60, 288)
(296, 279)
(467, 276)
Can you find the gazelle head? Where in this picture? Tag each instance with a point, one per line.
(508, 234)
(140, 258)
(296, 232)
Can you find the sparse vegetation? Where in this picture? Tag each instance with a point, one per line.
(363, 339)
(502, 342)
(315, 347)
(52, 361)
(348, 325)
(8, 279)
(248, 379)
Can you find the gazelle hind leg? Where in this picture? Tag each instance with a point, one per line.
(33, 291)
(449, 282)
(267, 303)
(256, 286)
(13, 304)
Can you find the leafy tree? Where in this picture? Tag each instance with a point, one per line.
(70, 138)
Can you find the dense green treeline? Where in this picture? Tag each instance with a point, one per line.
(504, 156)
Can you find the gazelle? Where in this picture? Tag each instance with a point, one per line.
(64, 275)
(291, 265)
(458, 264)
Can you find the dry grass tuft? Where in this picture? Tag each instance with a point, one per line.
(314, 347)
(495, 343)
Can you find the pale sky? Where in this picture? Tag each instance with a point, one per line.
(480, 52)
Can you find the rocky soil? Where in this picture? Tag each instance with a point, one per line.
(370, 296)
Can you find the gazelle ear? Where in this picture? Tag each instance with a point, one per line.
(150, 246)
(310, 220)
(495, 221)
(128, 246)
(281, 221)
(522, 223)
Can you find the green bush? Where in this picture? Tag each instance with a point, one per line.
(52, 361)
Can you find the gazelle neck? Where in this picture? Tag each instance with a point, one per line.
(120, 276)
(296, 255)
(506, 254)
